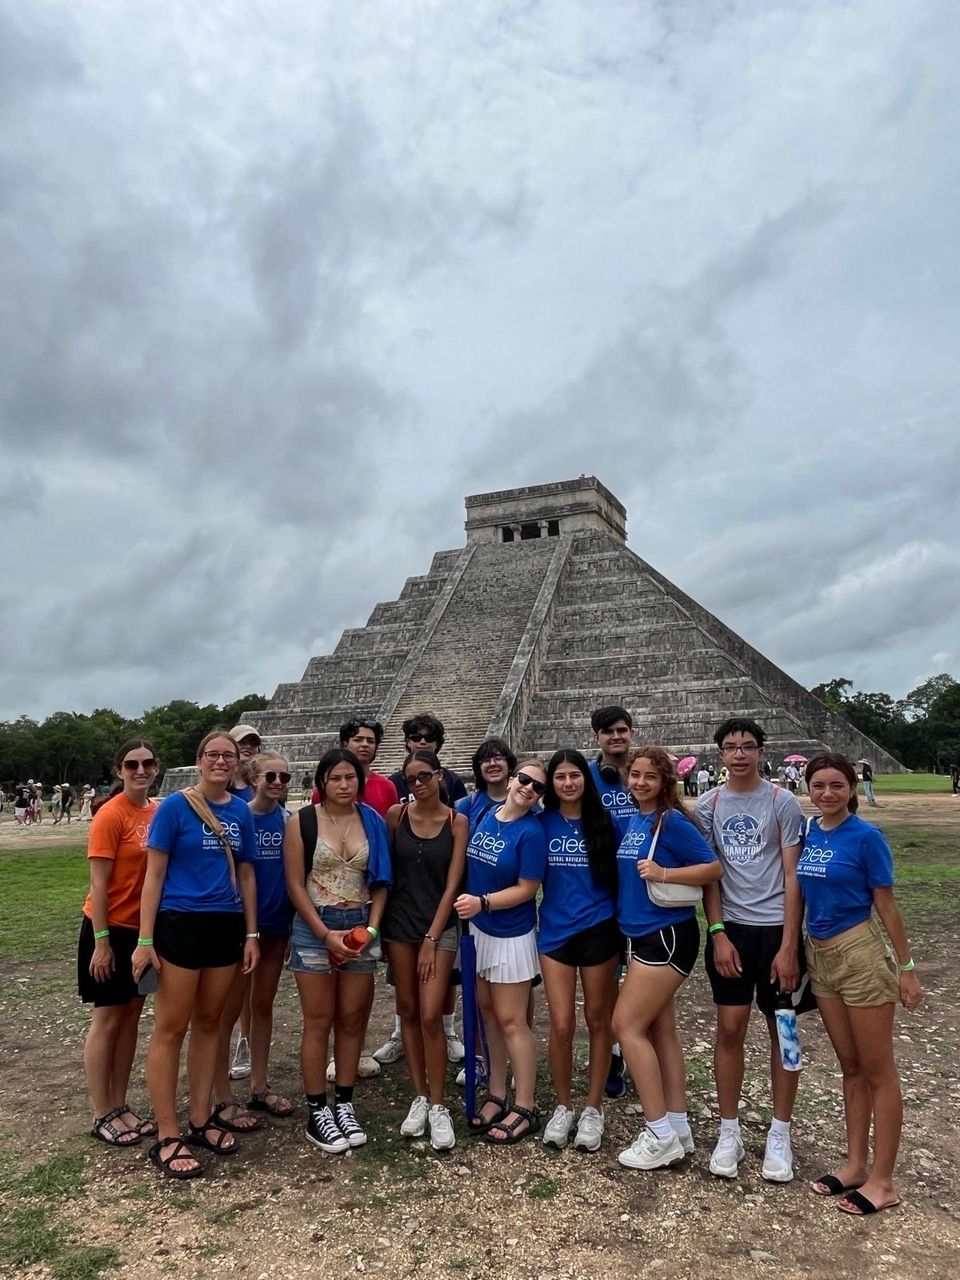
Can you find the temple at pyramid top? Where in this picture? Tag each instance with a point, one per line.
(543, 615)
(545, 511)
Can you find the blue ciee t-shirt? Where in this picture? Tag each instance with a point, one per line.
(571, 900)
(274, 909)
(475, 806)
(499, 855)
(616, 799)
(838, 872)
(198, 874)
(680, 844)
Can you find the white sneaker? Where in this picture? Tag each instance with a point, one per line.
(331, 1071)
(390, 1051)
(481, 1073)
(727, 1154)
(348, 1124)
(686, 1141)
(415, 1125)
(589, 1130)
(557, 1132)
(240, 1068)
(442, 1137)
(778, 1158)
(455, 1049)
(648, 1152)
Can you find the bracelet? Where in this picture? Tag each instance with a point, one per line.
(144, 942)
(373, 931)
(430, 938)
(908, 967)
(663, 877)
(719, 927)
(253, 935)
(484, 902)
(101, 933)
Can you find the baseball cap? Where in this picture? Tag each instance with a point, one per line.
(241, 731)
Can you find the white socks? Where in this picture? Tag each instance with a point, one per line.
(731, 1127)
(679, 1122)
(662, 1128)
(780, 1127)
(448, 1024)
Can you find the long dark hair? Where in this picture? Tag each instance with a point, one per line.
(599, 833)
(833, 760)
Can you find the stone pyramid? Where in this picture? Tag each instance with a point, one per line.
(543, 615)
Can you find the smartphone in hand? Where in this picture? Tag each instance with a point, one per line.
(148, 981)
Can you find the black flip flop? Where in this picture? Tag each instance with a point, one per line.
(864, 1207)
(833, 1184)
(180, 1152)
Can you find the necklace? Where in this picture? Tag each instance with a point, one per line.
(574, 825)
(342, 834)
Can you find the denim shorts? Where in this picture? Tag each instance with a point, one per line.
(309, 955)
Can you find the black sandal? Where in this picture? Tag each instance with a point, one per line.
(147, 1128)
(106, 1125)
(261, 1102)
(221, 1122)
(197, 1137)
(528, 1114)
(480, 1127)
(180, 1152)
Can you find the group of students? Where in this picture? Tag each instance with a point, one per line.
(206, 894)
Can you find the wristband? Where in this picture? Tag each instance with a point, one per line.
(484, 902)
(373, 931)
(144, 942)
(430, 938)
(908, 967)
(719, 927)
(253, 935)
(101, 933)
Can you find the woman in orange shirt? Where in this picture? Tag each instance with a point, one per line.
(117, 850)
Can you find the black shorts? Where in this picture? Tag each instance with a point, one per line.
(756, 945)
(596, 945)
(677, 945)
(200, 939)
(120, 987)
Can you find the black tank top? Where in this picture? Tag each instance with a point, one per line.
(420, 869)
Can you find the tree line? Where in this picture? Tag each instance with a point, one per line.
(75, 748)
(921, 730)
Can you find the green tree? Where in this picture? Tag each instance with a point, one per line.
(943, 727)
(833, 693)
(919, 701)
(232, 713)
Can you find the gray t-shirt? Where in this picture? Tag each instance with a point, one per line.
(747, 830)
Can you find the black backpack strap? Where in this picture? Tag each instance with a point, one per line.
(307, 817)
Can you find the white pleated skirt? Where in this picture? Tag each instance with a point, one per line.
(506, 959)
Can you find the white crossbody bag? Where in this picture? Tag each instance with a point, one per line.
(670, 895)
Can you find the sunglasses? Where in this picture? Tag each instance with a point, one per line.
(420, 737)
(526, 781)
(272, 775)
(132, 766)
(419, 778)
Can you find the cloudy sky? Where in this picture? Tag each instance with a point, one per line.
(280, 283)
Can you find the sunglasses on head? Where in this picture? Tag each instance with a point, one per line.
(132, 766)
(535, 784)
(272, 775)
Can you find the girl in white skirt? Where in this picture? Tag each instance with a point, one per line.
(506, 860)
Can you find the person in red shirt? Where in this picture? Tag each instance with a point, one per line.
(117, 850)
(363, 738)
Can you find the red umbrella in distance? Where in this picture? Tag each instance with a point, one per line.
(794, 759)
(685, 765)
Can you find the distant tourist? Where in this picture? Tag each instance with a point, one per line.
(117, 853)
(791, 775)
(955, 778)
(198, 921)
(866, 776)
(363, 738)
(845, 874)
(88, 795)
(578, 934)
(38, 803)
(660, 845)
(506, 860)
(67, 797)
(23, 804)
(56, 805)
(703, 780)
(421, 936)
(337, 861)
(424, 732)
(754, 949)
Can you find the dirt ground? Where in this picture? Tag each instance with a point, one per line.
(281, 1209)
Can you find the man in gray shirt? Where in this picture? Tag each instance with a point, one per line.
(753, 948)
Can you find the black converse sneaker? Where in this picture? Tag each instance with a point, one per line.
(322, 1131)
(348, 1125)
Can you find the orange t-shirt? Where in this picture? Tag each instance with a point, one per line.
(119, 832)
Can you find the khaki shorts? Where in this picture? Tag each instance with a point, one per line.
(860, 970)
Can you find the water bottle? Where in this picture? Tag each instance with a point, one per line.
(791, 1054)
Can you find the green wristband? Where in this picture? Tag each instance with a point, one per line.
(373, 931)
(144, 942)
(720, 927)
(101, 933)
(908, 967)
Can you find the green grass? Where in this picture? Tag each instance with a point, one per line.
(916, 783)
(42, 894)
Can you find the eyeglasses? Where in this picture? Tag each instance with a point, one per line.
(526, 781)
(132, 766)
(420, 779)
(740, 748)
(229, 756)
(420, 737)
(272, 775)
(494, 758)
